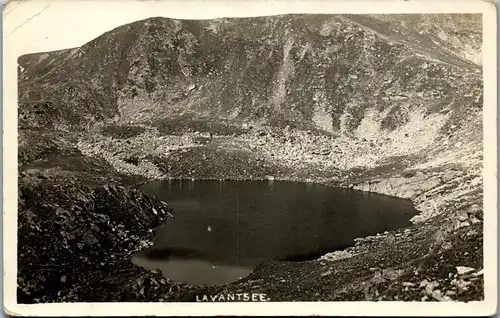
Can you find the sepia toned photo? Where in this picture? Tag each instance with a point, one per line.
(249, 159)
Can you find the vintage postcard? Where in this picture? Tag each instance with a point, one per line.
(250, 158)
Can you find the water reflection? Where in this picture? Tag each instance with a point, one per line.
(193, 271)
(237, 224)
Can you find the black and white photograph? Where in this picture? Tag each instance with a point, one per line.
(177, 152)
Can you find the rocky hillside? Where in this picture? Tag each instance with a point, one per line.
(70, 234)
(398, 82)
(384, 103)
(314, 71)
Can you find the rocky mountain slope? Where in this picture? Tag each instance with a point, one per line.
(311, 71)
(384, 103)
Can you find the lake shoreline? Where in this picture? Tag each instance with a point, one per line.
(430, 237)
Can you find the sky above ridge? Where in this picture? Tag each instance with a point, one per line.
(41, 25)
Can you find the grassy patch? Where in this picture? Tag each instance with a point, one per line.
(122, 131)
(184, 124)
(213, 163)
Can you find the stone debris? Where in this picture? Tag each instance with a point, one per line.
(481, 272)
(464, 270)
(391, 274)
(462, 216)
(327, 273)
(334, 256)
(438, 295)
(460, 284)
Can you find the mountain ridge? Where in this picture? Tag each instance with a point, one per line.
(255, 78)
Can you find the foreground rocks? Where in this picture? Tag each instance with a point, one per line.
(74, 236)
(374, 271)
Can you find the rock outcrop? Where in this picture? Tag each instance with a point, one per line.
(72, 233)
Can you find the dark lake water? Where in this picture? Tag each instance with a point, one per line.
(221, 230)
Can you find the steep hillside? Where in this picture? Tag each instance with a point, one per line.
(311, 71)
(384, 103)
